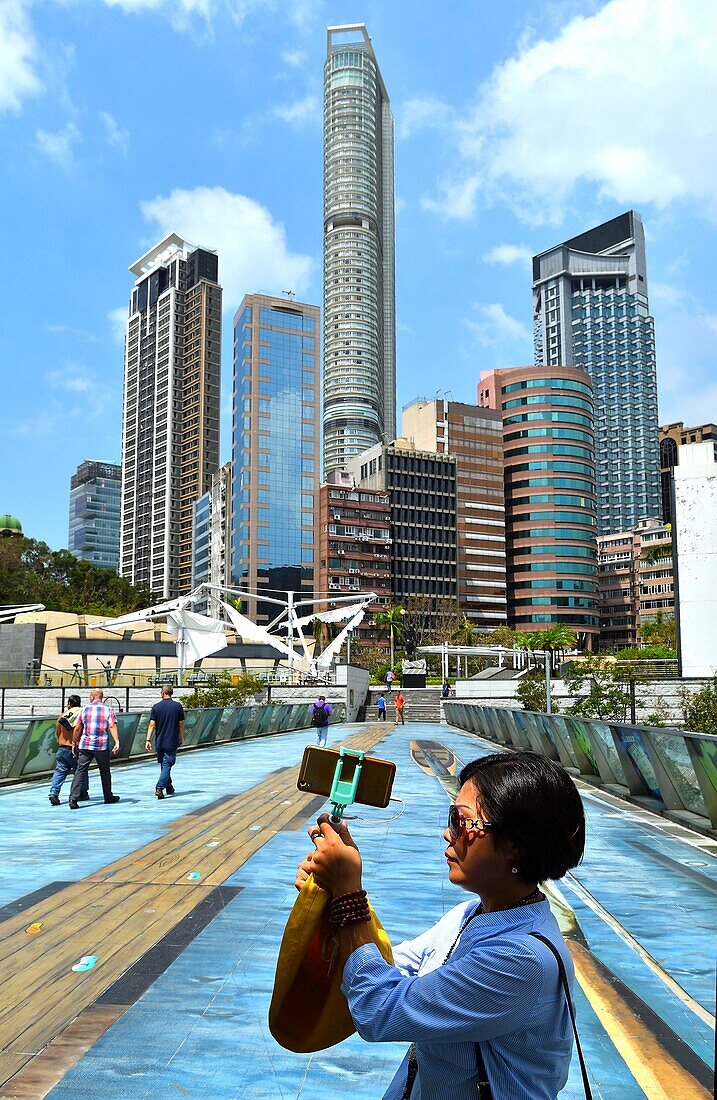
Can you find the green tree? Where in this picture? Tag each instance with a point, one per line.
(662, 631)
(532, 694)
(392, 622)
(529, 642)
(555, 640)
(227, 691)
(502, 635)
(30, 572)
(700, 709)
(600, 691)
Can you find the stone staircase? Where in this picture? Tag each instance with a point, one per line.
(422, 704)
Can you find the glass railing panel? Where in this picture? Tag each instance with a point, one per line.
(676, 759)
(633, 743)
(12, 735)
(42, 748)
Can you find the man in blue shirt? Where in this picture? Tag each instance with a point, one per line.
(166, 722)
(381, 704)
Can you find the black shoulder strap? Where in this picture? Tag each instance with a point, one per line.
(484, 1089)
(571, 1010)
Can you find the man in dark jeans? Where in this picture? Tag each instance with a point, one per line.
(91, 740)
(166, 722)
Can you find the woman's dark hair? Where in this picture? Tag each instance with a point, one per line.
(74, 701)
(533, 800)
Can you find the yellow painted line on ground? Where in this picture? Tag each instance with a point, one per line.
(658, 1074)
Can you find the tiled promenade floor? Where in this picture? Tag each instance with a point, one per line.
(200, 1028)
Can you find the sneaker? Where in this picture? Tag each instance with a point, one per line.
(112, 799)
(73, 804)
(159, 792)
(54, 800)
(169, 790)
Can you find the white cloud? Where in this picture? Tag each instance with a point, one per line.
(253, 251)
(17, 56)
(118, 323)
(457, 198)
(507, 254)
(71, 379)
(422, 113)
(301, 111)
(183, 14)
(621, 99)
(295, 58)
(495, 326)
(59, 145)
(116, 134)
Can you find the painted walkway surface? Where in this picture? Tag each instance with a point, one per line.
(179, 907)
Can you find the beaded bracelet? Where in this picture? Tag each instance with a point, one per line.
(350, 909)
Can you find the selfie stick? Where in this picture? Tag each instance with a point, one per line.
(343, 791)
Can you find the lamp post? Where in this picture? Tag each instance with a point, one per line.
(548, 707)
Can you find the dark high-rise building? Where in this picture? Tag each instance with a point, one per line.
(474, 436)
(591, 310)
(170, 430)
(275, 448)
(359, 250)
(95, 513)
(422, 489)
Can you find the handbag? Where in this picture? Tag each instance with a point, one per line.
(308, 1011)
(485, 1092)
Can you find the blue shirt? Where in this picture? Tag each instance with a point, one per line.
(501, 987)
(166, 715)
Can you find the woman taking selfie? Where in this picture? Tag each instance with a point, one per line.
(479, 995)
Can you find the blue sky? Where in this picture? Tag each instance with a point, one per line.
(517, 125)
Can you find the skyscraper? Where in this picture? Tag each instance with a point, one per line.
(359, 251)
(170, 429)
(275, 448)
(95, 513)
(551, 541)
(591, 310)
(474, 436)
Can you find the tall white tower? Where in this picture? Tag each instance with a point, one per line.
(359, 251)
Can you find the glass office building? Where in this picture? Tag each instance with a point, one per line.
(94, 535)
(591, 310)
(359, 251)
(275, 448)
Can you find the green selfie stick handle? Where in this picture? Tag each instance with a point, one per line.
(343, 791)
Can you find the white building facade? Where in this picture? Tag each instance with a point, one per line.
(696, 557)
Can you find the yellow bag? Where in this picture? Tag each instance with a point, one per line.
(308, 1011)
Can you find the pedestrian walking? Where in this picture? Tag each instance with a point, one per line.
(320, 714)
(381, 704)
(91, 741)
(445, 690)
(399, 703)
(389, 680)
(166, 722)
(65, 761)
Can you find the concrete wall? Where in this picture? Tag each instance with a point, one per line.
(20, 643)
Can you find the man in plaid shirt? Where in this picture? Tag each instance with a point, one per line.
(91, 740)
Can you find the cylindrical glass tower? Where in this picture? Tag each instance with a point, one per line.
(359, 246)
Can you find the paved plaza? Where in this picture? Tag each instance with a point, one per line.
(181, 905)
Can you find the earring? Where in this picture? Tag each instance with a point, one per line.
(514, 870)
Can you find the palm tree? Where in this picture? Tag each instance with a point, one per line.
(463, 634)
(528, 642)
(555, 639)
(392, 619)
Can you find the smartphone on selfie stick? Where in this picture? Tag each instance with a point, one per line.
(345, 776)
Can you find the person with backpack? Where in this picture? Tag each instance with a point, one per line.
(320, 714)
(65, 762)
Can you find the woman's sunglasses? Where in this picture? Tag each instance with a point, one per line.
(457, 824)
